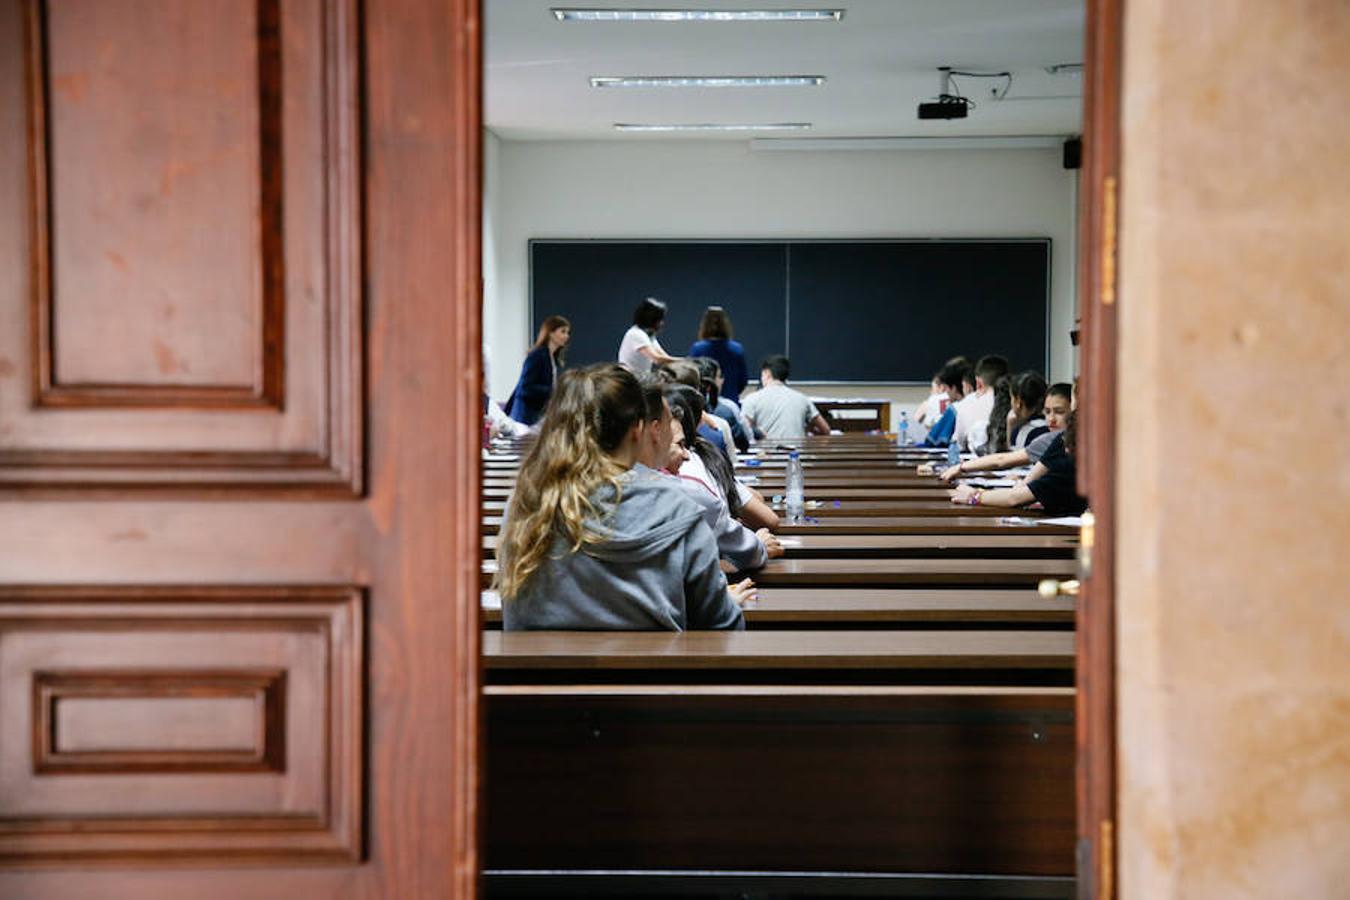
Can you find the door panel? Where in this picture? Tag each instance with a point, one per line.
(188, 180)
(239, 424)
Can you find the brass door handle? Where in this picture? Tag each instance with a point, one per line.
(1053, 587)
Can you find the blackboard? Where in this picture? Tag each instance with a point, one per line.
(847, 311)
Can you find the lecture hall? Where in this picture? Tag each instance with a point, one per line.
(708, 449)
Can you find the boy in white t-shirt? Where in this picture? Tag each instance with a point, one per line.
(974, 410)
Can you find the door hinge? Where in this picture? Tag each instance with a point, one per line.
(1108, 264)
(1106, 861)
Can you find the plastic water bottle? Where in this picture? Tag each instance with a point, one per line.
(953, 454)
(904, 429)
(796, 489)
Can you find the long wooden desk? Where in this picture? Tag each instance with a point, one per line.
(896, 546)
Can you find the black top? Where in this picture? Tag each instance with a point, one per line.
(1057, 490)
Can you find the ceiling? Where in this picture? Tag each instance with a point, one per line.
(880, 61)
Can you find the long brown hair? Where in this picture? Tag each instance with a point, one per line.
(550, 325)
(589, 415)
(715, 325)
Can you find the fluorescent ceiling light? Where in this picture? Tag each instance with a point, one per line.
(650, 81)
(965, 142)
(697, 15)
(710, 126)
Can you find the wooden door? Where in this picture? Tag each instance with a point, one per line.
(239, 418)
(1095, 675)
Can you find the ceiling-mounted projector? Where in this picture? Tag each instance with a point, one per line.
(945, 107)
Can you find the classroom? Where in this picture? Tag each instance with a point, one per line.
(720, 448)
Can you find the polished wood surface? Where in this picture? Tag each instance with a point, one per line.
(731, 650)
(808, 607)
(940, 780)
(185, 304)
(253, 630)
(896, 546)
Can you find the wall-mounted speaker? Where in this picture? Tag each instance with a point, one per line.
(1073, 153)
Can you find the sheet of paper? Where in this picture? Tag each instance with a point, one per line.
(1074, 521)
(790, 542)
(491, 600)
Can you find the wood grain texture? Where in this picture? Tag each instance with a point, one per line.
(1097, 282)
(159, 721)
(192, 271)
(774, 779)
(294, 655)
(777, 649)
(813, 607)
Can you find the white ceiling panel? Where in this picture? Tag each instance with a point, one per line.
(879, 62)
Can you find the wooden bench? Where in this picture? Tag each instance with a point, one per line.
(781, 753)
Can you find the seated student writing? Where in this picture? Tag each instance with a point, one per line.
(1058, 404)
(595, 540)
(1052, 482)
(777, 410)
(683, 457)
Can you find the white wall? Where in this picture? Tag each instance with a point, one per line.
(698, 189)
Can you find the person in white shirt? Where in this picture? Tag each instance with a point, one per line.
(776, 409)
(640, 349)
(930, 410)
(974, 409)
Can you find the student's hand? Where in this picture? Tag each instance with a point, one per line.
(950, 473)
(771, 543)
(744, 592)
(962, 494)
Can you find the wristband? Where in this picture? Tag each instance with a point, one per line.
(975, 498)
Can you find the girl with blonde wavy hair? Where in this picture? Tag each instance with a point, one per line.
(595, 540)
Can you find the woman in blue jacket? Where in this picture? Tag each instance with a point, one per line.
(715, 341)
(540, 371)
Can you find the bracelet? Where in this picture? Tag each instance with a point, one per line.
(975, 498)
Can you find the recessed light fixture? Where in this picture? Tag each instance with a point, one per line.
(711, 126)
(697, 15)
(715, 81)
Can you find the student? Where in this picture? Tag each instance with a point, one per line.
(715, 342)
(931, 409)
(711, 381)
(1057, 407)
(540, 371)
(975, 408)
(713, 427)
(1025, 421)
(688, 460)
(776, 409)
(952, 379)
(594, 540)
(991, 436)
(640, 349)
(495, 419)
(714, 470)
(1052, 482)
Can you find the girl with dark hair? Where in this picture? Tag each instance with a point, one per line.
(593, 541)
(710, 465)
(539, 372)
(743, 548)
(992, 436)
(1025, 422)
(640, 349)
(715, 342)
(710, 382)
(1052, 482)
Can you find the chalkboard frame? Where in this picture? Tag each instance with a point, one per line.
(1046, 242)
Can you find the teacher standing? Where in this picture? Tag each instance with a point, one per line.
(640, 349)
(715, 341)
(539, 372)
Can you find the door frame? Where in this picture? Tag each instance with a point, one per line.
(1097, 299)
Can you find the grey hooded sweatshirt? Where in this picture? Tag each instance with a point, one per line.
(656, 568)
